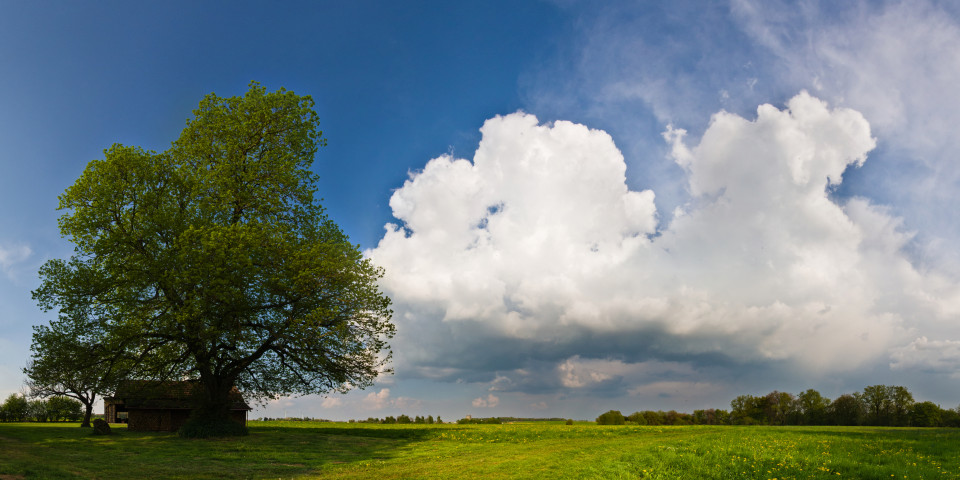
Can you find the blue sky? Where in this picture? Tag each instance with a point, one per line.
(668, 205)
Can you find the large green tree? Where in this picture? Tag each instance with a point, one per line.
(216, 257)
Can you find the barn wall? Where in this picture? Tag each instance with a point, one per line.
(168, 420)
(149, 421)
(239, 416)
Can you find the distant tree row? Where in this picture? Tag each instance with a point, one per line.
(876, 405)
(497, 420)
(403, 419)
(17, 408)
(293, 419)
(484, 421)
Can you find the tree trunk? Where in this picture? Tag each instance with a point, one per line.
(211, 416)
(87, 411)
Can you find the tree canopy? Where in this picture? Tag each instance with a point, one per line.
(71, 359)
(213, 260)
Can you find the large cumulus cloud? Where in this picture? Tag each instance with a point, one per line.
(534, 266)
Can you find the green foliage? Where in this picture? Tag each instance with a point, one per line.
(70, 358)
(748, 410)
(925, 414)
(611, 417)
(37, 411)
(814, 408)
(847, 410)
(64, 408)
(480, 421)
(886, 405)
(213, 260)
(637, 418)
(15, 408)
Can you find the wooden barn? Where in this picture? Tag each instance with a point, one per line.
(161, 406)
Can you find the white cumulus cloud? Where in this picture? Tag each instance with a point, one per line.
(331, 402)
(538, 246)
(935, 356)
(381, 400)
(377, 400)
(490, 401)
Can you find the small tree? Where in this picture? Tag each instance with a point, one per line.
(846, 410)
(901, 402)
(925, 414)
(637, 418)
(15, 408)
(654, 417)
(611, 417)
(70, 358)
(778, 407)
(814, 408)
(38, 410)
(878, 404)
(64, 408)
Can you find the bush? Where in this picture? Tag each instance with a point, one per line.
(638, 418)
(569, 421)
(612, 417)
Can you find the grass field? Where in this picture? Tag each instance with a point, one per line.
(533, 450)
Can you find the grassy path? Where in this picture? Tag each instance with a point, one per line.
(341, 450)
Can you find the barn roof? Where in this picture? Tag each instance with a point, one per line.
(148, 394)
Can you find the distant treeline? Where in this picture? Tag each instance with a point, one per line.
(406, 419)
(876, 405)
(498, 420)
(402, 419)
(17, 408)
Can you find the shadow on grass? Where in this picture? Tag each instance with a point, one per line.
(274, 450)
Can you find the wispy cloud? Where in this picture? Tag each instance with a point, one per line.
(331, 402)
(897, 63)
(12, 256)
(382, 399)
(490, 401)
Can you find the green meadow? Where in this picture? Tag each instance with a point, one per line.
(523, 450)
